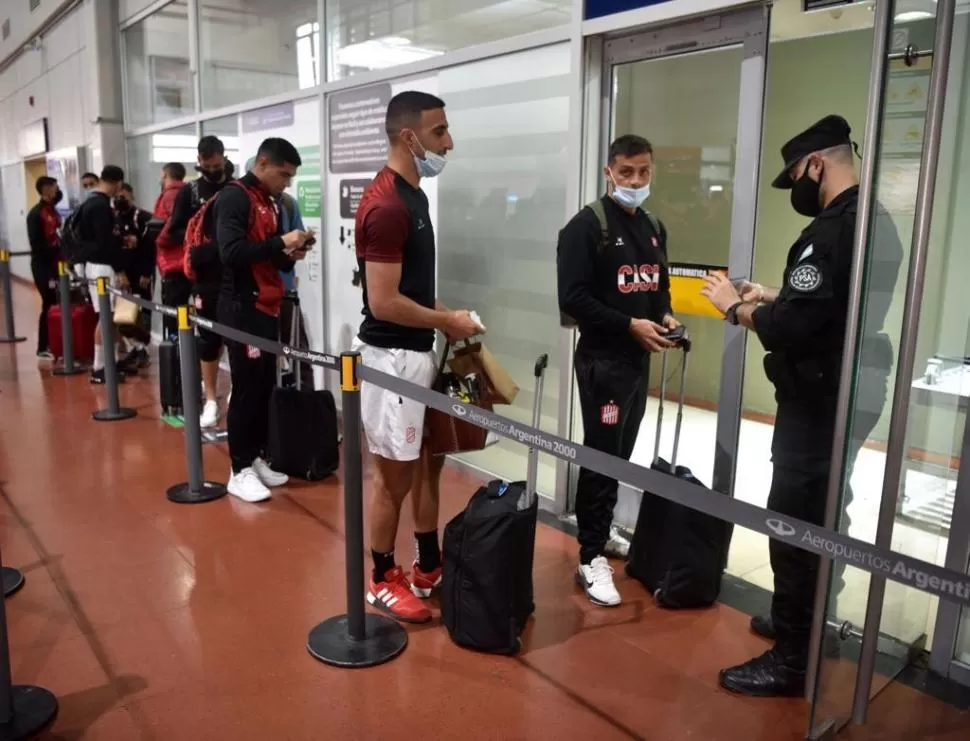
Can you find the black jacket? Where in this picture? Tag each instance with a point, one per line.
(98, 228)
(139, 261)
(603, 286)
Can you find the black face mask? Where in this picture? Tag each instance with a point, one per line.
(213, 176)
(58, 196)
(806, 196)
(122, 204)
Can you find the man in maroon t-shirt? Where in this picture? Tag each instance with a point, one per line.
(396, 254)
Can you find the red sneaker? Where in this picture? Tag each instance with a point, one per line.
(422, 583)
(393, 596)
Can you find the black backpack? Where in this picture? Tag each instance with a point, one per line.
(74, 247)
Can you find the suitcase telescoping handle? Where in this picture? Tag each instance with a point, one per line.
(684, 344)
(532, 473)
(295, 319)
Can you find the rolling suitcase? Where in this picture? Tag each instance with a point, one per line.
(488, 550)
(678, 553)
(169, 379)
(83, 322)
(303, 435)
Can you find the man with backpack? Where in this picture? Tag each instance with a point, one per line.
(92, 237)
(253, 252)
(201, 264)
(614, 285)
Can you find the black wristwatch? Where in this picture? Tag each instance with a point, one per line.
(731, 315)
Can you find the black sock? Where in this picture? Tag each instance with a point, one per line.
(383, 562)
(429, 552)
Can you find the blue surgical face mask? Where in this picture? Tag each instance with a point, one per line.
(630, 197)
(432, 164)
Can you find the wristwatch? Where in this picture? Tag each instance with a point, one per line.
(731, 315)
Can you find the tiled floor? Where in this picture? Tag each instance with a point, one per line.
(158, 622)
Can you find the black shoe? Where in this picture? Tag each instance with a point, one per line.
(97, 377)
(765, 676)
(763, 627)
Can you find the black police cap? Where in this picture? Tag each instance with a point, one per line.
(831, 131)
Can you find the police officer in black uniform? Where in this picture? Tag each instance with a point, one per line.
(802, 326)
(614, 284)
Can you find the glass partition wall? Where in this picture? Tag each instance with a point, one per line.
(898, 484)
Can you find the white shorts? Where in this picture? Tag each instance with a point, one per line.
(93, 271)
(394, 424)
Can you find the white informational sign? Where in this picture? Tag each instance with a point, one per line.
(299, 123)
(358, 150)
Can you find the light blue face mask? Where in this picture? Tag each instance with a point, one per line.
(432, 164)
(630, 197)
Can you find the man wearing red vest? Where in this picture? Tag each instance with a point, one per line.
(253, 253)
(176, 288)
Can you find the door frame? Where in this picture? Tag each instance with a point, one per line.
(747, 27)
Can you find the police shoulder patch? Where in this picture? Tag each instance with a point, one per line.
(805, 278)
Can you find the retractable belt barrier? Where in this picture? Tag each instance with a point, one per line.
(6, 278)
(947, 584)
(171, 311)
(20, 253)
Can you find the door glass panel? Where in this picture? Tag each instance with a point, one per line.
(923, 502)
(687, 107)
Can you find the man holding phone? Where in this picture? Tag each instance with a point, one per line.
(615, 286)
(253, 253)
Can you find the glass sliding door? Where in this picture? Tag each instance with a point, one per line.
(695, 91)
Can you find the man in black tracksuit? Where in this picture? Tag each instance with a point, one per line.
(215, 172)
(43, 223)
(615, 285)
(802, 326)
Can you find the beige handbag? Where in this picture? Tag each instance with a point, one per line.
(126, 313)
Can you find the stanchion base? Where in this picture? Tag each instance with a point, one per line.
(182, 494)
(62, 371)
(12, 579)
(33, 709)
(105, 415)
(11, 340)
(330, 642)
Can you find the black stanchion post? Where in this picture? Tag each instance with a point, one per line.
(196, 490)
(357, 639)
(5, 285)
(115, 412)
(67, 329)
(12, 580)
(24, 710)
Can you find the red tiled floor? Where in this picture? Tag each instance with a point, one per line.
(154, 622)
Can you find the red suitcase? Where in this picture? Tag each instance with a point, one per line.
(83, 322)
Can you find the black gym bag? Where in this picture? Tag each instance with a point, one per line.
(487, 551)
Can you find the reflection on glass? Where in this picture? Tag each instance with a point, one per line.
(499, 208)
(923, 503)
(147, 154)
(251, 49)
(158, 79)
(365, 35)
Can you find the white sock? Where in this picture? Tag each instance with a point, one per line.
(98, 357)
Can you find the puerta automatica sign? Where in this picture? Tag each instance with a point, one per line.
(358, 140)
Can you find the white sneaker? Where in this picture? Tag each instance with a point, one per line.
(210, 414)
(597, 580)
(246, 486)
(267, 475)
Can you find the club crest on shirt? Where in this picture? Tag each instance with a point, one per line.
(411, 435)
(609, 414)
(805, 279)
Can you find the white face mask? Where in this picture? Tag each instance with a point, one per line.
(629, 197)
(431, 165)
